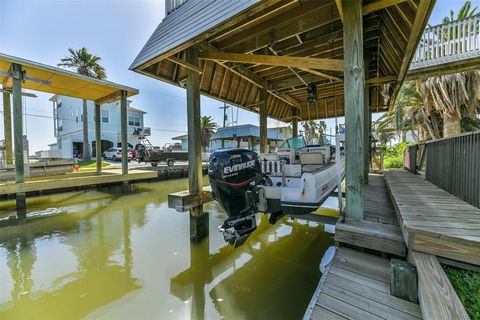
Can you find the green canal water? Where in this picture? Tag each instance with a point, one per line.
(109, 255)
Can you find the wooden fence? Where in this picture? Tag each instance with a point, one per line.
(452, 164)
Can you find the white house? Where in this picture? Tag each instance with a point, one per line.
(68, 126)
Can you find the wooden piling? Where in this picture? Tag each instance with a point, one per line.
(354, 82)
(17, 122)
(198, 220)
(98, 137)
(263, 121)
(7, 127)
(123, 133)
(366, 131)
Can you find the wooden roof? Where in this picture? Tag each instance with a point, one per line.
(62, 82)
(287, 28)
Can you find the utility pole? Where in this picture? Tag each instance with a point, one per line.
(225, 107)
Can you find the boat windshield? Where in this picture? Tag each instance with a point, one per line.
(294, 143)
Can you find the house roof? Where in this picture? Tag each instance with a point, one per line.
(188, 22)
(182, 137)
(245, 131)
(132, 109)
(287, 28)
(45, 78)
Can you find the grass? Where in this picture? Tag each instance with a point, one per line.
(467, 286)
(91, 164)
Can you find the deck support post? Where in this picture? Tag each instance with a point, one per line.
(295, 124)
(366, 134)
(354, 82)
(17, 76)
(263, 121)
(7, 127)
(198, 219)
(98, 137)
(123, 133)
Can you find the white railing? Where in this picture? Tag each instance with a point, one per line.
(448, 42)
(171, 5)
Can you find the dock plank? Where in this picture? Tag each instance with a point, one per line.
(432, 220)
(354, 288)
(437, 297)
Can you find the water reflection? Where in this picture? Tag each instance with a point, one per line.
(112, 256)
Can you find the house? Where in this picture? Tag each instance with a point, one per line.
(68, 126)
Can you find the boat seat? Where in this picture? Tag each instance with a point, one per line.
(318, 156)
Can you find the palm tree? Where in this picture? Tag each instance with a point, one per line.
(455, 97)
(208, 128)
(313, 130)
(85, 63)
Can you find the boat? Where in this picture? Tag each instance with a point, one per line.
(293, 181)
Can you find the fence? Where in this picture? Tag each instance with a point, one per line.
(448, 42)
(452, 164)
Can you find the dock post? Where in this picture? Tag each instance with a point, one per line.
(7, 127)
(354, 82)
(17, 76)
(366, 132)
(198, 219)
(123, 134)
(263, 121)
(295, 124)
(98, 137)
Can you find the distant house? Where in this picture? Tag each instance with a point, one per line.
(68, 127)
(285, 131)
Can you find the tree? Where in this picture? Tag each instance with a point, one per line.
(208, 128)
(455, 97)
(87, 64)
(313, 130)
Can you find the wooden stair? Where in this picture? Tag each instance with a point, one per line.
(372, 235)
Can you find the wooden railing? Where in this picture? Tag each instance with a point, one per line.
(452, 164)
(448, 42)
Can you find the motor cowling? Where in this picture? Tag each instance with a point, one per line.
(233, 175)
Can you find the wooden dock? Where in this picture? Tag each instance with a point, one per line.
(357, 286)
(434, 221)
(379, 230)
(75, 180)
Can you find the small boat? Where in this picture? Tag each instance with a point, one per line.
(295, 180)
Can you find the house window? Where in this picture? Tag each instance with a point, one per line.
(105, 115)
(134, 121)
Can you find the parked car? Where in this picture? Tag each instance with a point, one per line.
(115, 154)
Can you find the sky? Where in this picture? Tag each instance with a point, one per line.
(115, 30)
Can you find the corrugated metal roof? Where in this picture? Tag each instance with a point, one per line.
(187, 22)
(244, 131)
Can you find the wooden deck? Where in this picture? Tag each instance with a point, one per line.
(379, 231)
(75, 180)
(357, 286)
(434, 221)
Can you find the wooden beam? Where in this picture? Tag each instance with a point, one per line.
(339, 8)
(98, 138)
(381, 80)
(17, 78)
(263, 121)
(354, 83)
(7, 128)
(123, 131)
(379, 5)
(283, 61)
(424, 10)
(109, 98)
(193, 124)
(321, 74)
(185, 64)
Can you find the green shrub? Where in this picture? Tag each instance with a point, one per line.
(394, 155)
(467, 287)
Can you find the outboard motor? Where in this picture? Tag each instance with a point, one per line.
(233, 175)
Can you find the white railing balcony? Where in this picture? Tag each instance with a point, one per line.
(449, 42)
(171, 5)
